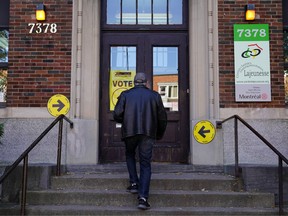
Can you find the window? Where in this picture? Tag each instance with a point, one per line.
(169, 95)
(144, 12)
(122, 71)
(3, 63)
(285, 38)
(4, 44)
(165, 75)
(123, 58)
(285, 41)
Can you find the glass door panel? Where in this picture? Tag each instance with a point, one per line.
(122, 71)
(165, 75)
(123, 58)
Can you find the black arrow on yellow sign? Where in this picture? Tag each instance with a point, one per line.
(60, 105)
(202, 131)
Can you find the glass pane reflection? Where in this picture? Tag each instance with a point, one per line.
(132, 12)
(113, 12)
(144, 12)
(122, 71)
(4, 35)
(128, 12)
(160, 12)
(3, 84)
(165, 75)
(123, 58)
(175, 12)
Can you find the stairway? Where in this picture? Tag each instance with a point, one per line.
(103, 192)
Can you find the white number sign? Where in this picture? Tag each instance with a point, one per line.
(45, 28)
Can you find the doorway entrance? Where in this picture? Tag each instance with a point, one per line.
(163, 57)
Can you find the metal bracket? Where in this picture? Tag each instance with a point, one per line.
(218, 125)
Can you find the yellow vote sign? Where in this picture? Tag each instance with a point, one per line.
(119, 82)
(204, 132)
(58, 105)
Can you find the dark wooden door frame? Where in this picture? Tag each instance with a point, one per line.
(179, 151)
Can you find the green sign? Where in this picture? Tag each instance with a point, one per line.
(251, 32)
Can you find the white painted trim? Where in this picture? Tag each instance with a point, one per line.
(85, 60)
(203, 60)
(213, 59)
(198, 59)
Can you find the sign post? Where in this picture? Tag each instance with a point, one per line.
(252, 63)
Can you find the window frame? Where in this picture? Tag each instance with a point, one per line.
(285, 29)
(4, 25)
(143, 27)
(4, 65)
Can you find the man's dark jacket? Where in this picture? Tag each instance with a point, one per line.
(141, 111)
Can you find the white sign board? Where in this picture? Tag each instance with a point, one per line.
(252, 63)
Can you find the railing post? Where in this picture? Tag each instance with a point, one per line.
(24, 184)
(280, 178)
(58, 171)
(236, 147)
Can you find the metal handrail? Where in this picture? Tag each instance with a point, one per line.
(281, 157)
(24, 157)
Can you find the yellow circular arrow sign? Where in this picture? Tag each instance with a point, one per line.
(58, 104)
(204, 132)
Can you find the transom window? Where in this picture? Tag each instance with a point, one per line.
(144, 12)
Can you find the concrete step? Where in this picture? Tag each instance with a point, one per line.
(115, 210)
(159, 198)
(178, 192)
(159, 181)
(173, 189)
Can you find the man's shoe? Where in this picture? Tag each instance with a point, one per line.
(143, 204)
(133, 188)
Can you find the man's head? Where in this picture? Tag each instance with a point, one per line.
(140, 79)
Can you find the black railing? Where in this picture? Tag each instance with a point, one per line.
(24, 157)
(281, 157)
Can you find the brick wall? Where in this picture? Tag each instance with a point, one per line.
(232, 12)
(39, 64)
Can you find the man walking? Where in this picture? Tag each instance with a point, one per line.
(144, 119)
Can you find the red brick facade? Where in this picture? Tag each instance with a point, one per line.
(232, 12)
(39, 63)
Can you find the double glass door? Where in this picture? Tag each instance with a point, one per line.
(163, 58)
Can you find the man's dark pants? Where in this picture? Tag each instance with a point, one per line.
(145, 146)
